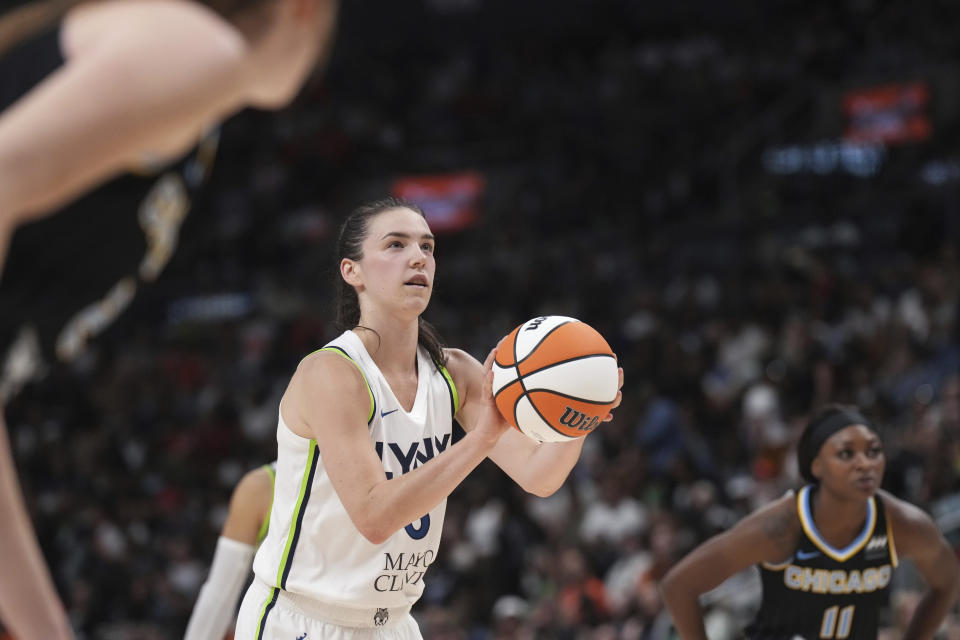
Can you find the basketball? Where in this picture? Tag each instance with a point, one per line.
(554, 378)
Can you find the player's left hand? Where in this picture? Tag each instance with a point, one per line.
(619, 399)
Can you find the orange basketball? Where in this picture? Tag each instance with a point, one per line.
(554, 378)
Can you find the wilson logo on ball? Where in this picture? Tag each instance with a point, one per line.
(554, 378)
(533, 325)
(576, 420)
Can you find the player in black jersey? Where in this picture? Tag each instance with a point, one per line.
(108, 117)
(826, 553)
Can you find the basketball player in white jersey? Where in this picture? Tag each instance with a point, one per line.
(99, 91)
(243, 531)
(365, 458)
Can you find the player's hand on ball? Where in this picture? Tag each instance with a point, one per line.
(616, 403)
(492, 420)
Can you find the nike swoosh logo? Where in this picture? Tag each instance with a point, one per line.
(806, 556)
(385, 414)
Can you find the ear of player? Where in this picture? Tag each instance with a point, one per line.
(555, 378)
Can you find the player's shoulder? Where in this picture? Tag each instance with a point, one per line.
(902, 513)
(786, 503)
(255, 481)
(330, 365)
(462, 367)
(769, 534)
(458, 359)
(152, 24)
(328, 375)
(324, 381)
(782, 509)
(777, 521)
(913, 528)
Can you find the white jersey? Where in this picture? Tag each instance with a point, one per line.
(313, 550)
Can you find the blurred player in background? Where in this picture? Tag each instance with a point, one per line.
(243, 531)
(109, 114)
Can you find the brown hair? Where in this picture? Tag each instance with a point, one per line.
(353, 231)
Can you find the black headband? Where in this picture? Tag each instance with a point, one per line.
(819, 434)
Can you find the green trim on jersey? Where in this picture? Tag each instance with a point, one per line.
(271, 469)
(343, 354)
(313, 454)
(267, 606)
(454, 396)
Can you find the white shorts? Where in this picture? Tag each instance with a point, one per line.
(271, 614)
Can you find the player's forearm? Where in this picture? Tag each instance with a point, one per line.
(29, 605)
(28, 183)
(688, 620)
(683, 604)
(38, 176)
(217, 603)
(548, 466)
(404, 499)
(30, 187)
(930, 613)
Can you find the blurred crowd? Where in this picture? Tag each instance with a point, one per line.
(625, 184)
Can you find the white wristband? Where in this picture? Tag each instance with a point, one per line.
(216, 606)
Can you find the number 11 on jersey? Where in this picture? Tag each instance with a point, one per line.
(837, 626)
